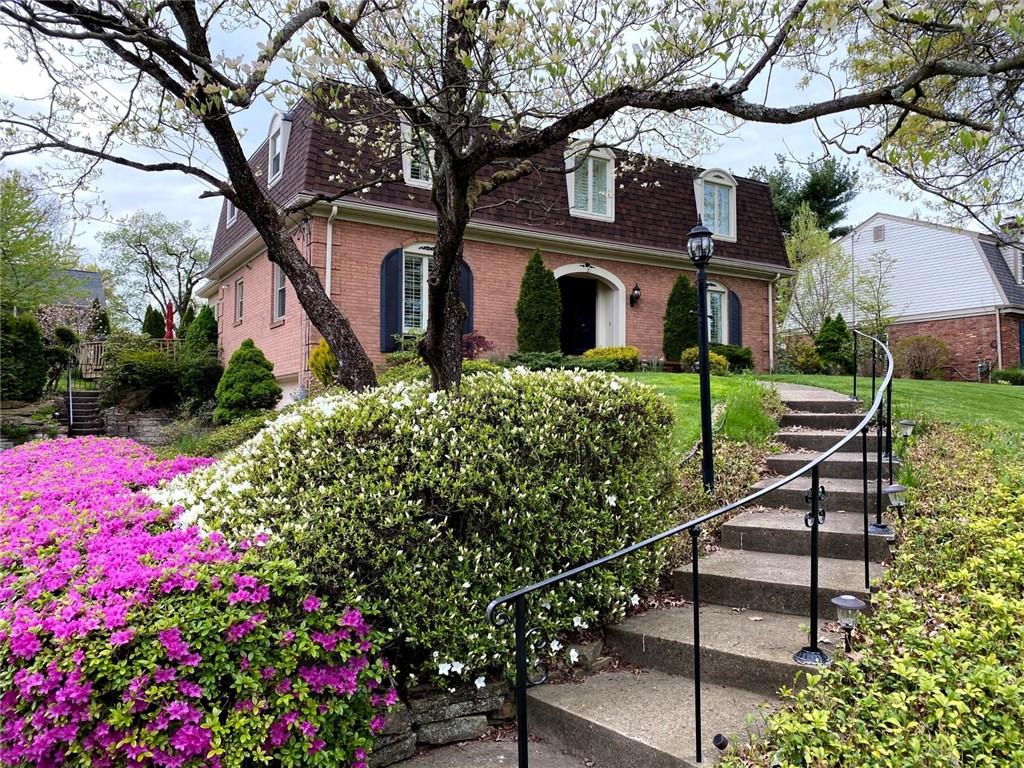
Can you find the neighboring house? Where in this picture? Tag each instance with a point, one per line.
(74, 308)
(963, 287)
(603, 231)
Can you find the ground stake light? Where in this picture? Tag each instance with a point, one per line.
(848, 609)
(907, 427)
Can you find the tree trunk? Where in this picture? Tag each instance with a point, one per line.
(441, 346)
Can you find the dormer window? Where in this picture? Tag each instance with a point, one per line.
(591, 183)
(232, 213)
(716, 202)
(277, 147)
(416, 151)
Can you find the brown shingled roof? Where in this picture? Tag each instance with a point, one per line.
(654, 206)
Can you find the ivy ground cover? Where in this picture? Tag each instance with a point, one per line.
(937, 678)
(126, 639)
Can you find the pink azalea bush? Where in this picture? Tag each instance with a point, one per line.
(127, 640)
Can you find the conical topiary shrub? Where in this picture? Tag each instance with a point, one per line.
(202, 332)
(247, 386)
(680, 330)
(153, 323)
(539, 309)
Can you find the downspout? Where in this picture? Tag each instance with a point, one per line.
(999, 340)
(330, 249)
(771, 322)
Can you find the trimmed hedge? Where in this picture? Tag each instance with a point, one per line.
(739, 358)
(1013, 376)
(624, 358)
(400, 496)
(545, 361)
(937, 678)
(23, 364)
(718, 363)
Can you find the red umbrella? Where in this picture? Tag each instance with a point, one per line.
(169, 321)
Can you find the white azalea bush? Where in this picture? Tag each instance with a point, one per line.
(423, 506)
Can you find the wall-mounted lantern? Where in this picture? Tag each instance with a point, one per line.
(634, 296)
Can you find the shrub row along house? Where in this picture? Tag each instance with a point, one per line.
(959, 286)
(614, 236)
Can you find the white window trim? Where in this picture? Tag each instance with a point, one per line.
(425, 252)
(232, 213)
(571, 161)
(239, 299)
(279, 276)
(714, 287)
(280, 129)
(726, 179)
(407, 146)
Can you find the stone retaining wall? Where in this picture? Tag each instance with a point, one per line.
(147, 427)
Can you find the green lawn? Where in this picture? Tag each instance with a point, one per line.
(952, 402)
(683, 391)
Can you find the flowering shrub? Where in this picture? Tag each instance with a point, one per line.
(125, 640)
(430, 504)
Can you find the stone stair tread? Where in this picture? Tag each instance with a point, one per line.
(639, 720)
(793, 520)
(791, 570)
(837, 484)
(756, 637)
(852, 456)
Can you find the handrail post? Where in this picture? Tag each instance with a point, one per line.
(694, 535)
(874, 369)
(522, 728)
(856, 360)
(71, 404)
(879, 527)
(864, 462)
(888, 426)
(811, 655)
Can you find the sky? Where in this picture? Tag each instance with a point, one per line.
(125, 191)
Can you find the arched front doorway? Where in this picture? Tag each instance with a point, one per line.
(593, 308)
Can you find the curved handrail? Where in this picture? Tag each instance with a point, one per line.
(552, 581)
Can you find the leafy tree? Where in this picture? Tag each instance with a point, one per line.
(151, 259)
(247, 386)
(99, 320)
(539, 309)
(821, 286)
(32, 257)
(23, 364)
(680, 330)
(931, 90)
(834, 345)
(825, 186)
(875, 309)
(202, 332)
(154, 324)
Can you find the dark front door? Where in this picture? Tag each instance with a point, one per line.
(579, 314)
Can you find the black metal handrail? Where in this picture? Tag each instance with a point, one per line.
(498, 615)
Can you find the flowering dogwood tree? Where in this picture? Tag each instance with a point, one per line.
(931, 90)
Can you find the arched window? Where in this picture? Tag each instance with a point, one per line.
(591, 182)
(715, 191)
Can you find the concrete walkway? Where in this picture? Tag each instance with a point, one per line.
(492, 754)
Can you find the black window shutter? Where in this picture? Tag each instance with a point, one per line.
(466, 294)
(390, 300)
(735, 320)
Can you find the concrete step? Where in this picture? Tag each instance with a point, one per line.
(645, 720)
(820, 439)
(839, 465)
(766, 581)
(79, 431)
(838, 421)
(783, 531)
(838, 405)
(752, 650)
(842, 494)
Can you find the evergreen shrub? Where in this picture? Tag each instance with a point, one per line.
(718, 363)
(323, 364)
(23, 363)
(247, 386)
(427, 505)
(739, 358)
(624, 358)
(1013, 376)
(834, 345)
(539, 309)
(680, 328)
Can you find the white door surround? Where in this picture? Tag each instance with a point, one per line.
(611, 302)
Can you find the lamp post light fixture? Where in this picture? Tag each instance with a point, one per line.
(634, 296)
(701, 247)
(848, 609)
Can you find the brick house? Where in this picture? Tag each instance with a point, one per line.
(604, 231)
(963, 287)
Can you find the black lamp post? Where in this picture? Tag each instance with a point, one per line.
(701, 247)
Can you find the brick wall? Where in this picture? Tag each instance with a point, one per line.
(497, 271)
(969, 339)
